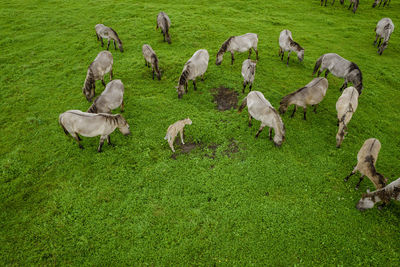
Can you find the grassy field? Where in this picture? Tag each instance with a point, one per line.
(233, 199)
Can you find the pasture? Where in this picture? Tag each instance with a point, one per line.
(225, 199)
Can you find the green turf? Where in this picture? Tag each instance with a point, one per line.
(133, 203)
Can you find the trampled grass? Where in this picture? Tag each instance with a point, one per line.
(133, 203)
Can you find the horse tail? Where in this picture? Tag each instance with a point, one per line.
(243, 105)
(317, 64)
(62, 125)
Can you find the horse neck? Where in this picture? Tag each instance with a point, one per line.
(184, 75)
(93, 108)
(89, 80)
(278, 124)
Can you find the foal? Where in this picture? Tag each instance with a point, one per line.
(108, 33)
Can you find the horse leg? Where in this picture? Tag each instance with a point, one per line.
(108, 44)
(379, 43)
(101, 143)
(233, 58)
(249, 53)
(376, 39)
(109, 141)
(350, 5)
(326, 73)
(244, 86)
(288, 56)
(344, 85)
(352, 173)
(153, 74)
(256, 53)
(358, 184)
(315, 108)
(102, 43)
(171, 144)
(122, 106)
(294, 110)
(181, 134)
(270, 133)
(111, 75)
(251, 86)
(102, 81)
(280, 51)
(202, 77)
(79, 138)
(283, 53)
(259, 130)
(325, 2)
(320, 71)
(194, 85)
(380, 2)
(333, 2)
(115, 47)
(250, 117)
(164, 41)
(304, 113)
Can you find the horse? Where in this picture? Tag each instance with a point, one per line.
(101, 65)
(384, 30)
(164, 23)
(150, 59)
(108, 33)
(333, 2)
(111, 98)
(345, 107)
(241, 43)
(355, 4)
(380, 2)
(196, 66)
(311, 94)
(286, 43)
(261, 109)
(366, 160)
(340, 67)
(385, 194)
(248, 73)
(75, 122)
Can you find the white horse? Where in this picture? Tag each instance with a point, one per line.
(286, 43)
(196, 66)
(75, 122)
(340, 67)
(111, 98)
(241, 43)
(261, 109)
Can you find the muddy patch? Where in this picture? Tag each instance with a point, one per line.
(225, 98)
(213, 150)
(233, 148)
(184, 149)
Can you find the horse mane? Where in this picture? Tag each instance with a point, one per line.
(89, 81)
(166, 24)
(279, 119)
(154, 60)
(185, 74)
(225, 45)
(116, 35)
(295, 45)
(285, 100)
(93, 107)
(113, 119)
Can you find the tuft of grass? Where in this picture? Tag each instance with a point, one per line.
(233, 199)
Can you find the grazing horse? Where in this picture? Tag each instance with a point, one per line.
(75, 122)
(111, 98)
(355, 5)
(196, 66)
(101, 65)
(389, 192)
(340, 67)
(150, 59)
(366, 160)
(108, 33)
(241, 43)
(286, 43)
(333, 2)
(380, 2)
(384, 30)
(261, 109)
(248, 73)
(345, 106)
(164, 23)
(311, 94)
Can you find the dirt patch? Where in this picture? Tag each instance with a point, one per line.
(225, 98)
(233, 148)
(184, 149)
(213, 148)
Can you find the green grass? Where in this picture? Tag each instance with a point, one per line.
(133, 203)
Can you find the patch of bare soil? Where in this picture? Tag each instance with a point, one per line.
(233, 148)
(225, 98)
(213, 148)
(184, 149)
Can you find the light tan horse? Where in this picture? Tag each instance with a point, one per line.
(75, 122)
(111, 98)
